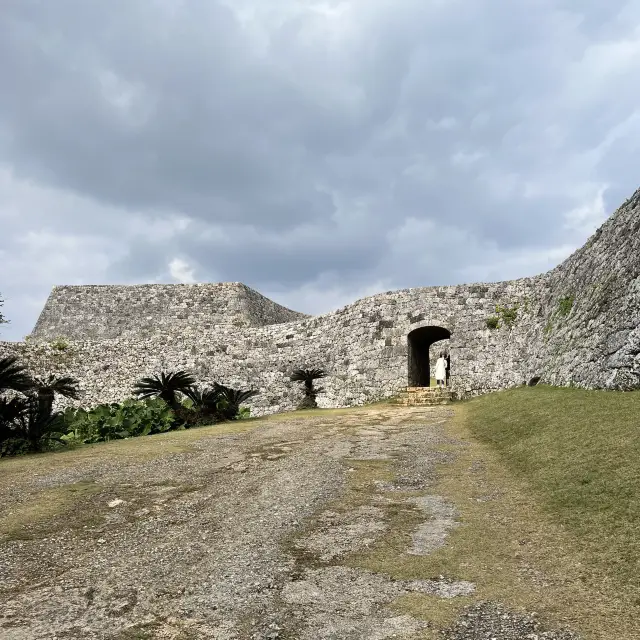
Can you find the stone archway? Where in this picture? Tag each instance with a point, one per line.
(419, 342)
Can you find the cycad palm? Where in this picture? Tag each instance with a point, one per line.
(13, 376)
(205, 401)
(36, 425)
(48, 387)
(167, 386)
(310, 392)
(232, 399)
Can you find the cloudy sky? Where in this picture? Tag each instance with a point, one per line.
(316, 151)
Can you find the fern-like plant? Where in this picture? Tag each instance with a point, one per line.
(231, 399)
(308, 376)
(169, 386)
(47, 388)
(13, 376)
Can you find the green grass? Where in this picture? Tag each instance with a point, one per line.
(579, 451)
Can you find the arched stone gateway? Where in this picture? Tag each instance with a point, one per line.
(419, 342)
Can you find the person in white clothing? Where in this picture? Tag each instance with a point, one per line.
(441, 370)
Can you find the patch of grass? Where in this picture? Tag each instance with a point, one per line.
(301, 414)
(440, 612)
(136, 449)
(40, 513)
(493, 322)
(360, 488)
(565, 305)
(508, 315)
(579, 452)
(153, 630)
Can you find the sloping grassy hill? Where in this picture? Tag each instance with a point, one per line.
(579, 451)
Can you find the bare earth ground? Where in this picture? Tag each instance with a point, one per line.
(249, 531)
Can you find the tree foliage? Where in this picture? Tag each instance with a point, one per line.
(47, 388)
(3, 320)
(170, 386)
(13, 376)
(308, 376)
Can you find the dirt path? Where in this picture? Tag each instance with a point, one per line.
(253, 534)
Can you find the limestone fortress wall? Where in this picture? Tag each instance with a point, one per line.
(578, 324)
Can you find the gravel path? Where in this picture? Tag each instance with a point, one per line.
(236, 538)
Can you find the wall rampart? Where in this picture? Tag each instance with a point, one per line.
(109, 311)
(363, 347)
(578, 324)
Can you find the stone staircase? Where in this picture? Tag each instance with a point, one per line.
(423, 397)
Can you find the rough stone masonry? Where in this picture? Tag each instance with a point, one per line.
(578, 324)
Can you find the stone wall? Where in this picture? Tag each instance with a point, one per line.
(578, 324)
(363, 347)
(589, 334)
(110, 311)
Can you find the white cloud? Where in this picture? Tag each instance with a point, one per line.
(448, 123)
(181, 272)
(586, 218)
(466, 158)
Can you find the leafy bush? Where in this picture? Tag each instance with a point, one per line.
(243, 413)
(493, 322)
(60, 344)
(507, 314)
(565, 305)
(128, 419)
(170, 386)
(308, 376)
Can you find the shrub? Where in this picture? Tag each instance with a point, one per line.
(244, 413)
(565, 305)
(128, 419)
(60, 344)
(308, 376)
(231, 399)
(170, 386)
(493, 322)
(507, 314)
(214, 404)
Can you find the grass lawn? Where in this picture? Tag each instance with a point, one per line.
(580, 453)
(565, 465)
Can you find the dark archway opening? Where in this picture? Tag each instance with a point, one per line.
(419, 342)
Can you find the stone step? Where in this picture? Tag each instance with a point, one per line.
(423, 396)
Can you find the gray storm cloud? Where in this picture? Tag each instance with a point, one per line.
(313, 151)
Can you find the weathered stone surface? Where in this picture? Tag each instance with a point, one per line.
(578, 324)
(111, 311)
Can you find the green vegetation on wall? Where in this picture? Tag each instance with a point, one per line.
(562, 310)
(60, 344)
(565, 305)
(506, 316)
